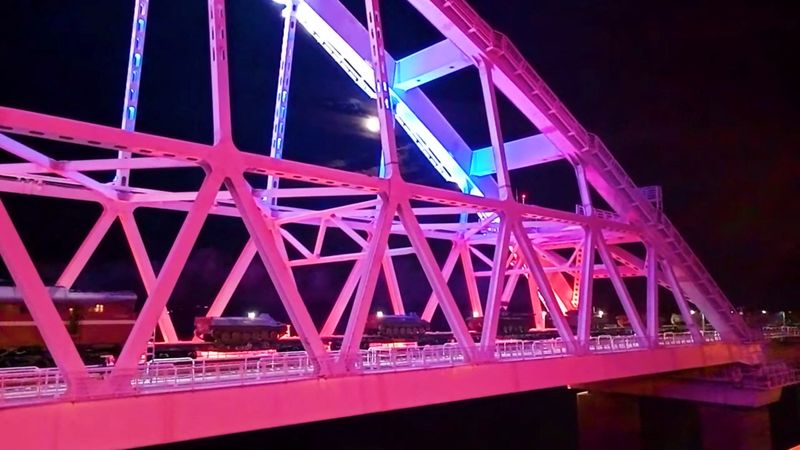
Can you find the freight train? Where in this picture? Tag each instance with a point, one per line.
(100, 322)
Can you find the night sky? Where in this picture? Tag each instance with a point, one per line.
(693, 96)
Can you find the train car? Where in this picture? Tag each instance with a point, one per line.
(399, 326)
(91, 318)
(260, 331)
(508, 323)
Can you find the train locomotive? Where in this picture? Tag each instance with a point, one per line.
(98, 323)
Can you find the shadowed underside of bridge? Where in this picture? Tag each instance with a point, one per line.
(557, 254)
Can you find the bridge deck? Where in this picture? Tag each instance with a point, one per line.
(176, 404)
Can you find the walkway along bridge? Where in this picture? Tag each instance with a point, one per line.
(558, 253)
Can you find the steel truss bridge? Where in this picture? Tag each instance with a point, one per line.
(556, 253)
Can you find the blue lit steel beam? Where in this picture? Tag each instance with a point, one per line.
(282, 96)
(525, 152)
(428, 64)
(135, 59)
(347, 41)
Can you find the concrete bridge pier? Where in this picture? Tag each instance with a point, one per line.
(628, 417)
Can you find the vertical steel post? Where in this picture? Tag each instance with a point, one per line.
(652, 295)
(680, 300)
(536, 303)
(586, 204)
(469, 278)
(495, 131)
(130, 107)
(395, 296)
(282, 96)
(585, 291)
(494, 297)
(220, 87)
(619, 287)
(583, 189)
(391, 163)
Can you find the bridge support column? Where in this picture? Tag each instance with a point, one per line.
(662, 412)
(734, 428)
(609, 421)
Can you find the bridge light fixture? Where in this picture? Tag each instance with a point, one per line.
(476, 314)
(379, 314)
(251, 315)
(692, 312)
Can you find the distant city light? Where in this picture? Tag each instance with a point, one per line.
(600, 313)
(763, 311)
(251, 315)
(379, 314)
(476, 314)
(372, 124)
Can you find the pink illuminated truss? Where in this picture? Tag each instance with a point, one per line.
(496, 236)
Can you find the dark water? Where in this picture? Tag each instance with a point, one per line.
(536, 420)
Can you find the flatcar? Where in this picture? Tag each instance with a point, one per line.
(398, 326)
(508, 324)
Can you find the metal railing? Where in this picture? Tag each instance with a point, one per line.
(176, 374)
(783, 331)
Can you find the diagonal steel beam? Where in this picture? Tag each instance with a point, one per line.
(389, 273)
(87, 248)
(437, 281)
(680, 300)
(146, 272)
(125, 367)
(266, 236)
(329, 328)
(232, 281)
(532, 259)
(370, 269)
(447, 270)
(39, 303)
(622, 291)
